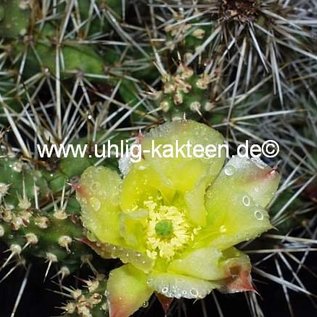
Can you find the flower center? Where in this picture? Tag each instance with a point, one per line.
(164, 228)
(168, 230)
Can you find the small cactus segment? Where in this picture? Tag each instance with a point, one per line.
(52, 41)
(187, 36)
(184, 94)
(89, 301)
(41, 51)
(20, 183)
(52, 236)
(66, 170)
(34, 220)
(14, 18)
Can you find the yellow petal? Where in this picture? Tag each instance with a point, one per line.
(253, 177)
(98, 195)
(201, 263)
(177, 286)
(127, 291)
(182, 170)
(143, 183)
(208, 263)
(235, 203)
(132, 228)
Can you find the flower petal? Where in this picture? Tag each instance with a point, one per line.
(109, 251)
(132, 228)
(253, 177)
(177, 286)
(201, 263)
(230, 268)
(127, 290)
(208, 263)
(235, 203)
(142, 183)
(238, 269)
(172, 166)
(98, 195)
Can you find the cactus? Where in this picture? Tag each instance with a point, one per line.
(85, 72)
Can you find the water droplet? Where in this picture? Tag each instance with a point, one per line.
(193, 292)
(94, 186)
(95, 203)
(246, 201)
(223, 229)
(258, 215)
(229, 170)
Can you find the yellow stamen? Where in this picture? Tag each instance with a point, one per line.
(168, 230)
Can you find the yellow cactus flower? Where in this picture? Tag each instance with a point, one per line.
(173, 220)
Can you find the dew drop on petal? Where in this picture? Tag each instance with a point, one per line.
(229, 170)
(223, 229)
(95, 203)
(193, 292)
(258, 215)
(246, 201)
(94, 186)
(165, 290)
